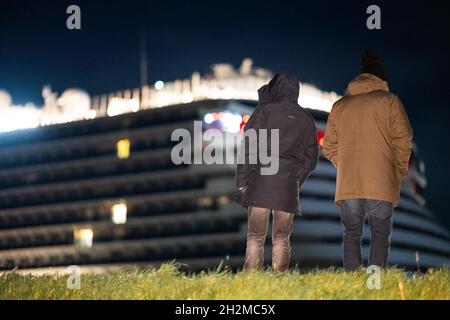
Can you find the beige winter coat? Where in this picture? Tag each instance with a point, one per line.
(368, 139)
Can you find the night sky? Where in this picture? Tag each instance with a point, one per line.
(319, 41)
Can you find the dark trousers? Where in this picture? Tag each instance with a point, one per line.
(258, 219)
(353, 213)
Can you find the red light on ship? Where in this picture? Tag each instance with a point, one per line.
(320, 137)
(244, 121)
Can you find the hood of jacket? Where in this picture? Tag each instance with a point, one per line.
(284, 87)
(365, 83)
(263, 94)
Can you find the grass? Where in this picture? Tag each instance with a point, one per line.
(166, 282)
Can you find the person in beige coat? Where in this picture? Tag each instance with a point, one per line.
(368, 139)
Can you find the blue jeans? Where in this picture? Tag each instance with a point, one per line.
(353, 213)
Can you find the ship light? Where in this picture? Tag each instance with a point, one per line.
(123, 148)
(231, 122)
(208, 118)
(223, 200)
(205, 202)
(225, 121)
(159, 85)
(119, 212)
(83, 237)
(18, 118)
(118, 106)
(245, 118)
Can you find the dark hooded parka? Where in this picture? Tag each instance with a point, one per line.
(298, 148)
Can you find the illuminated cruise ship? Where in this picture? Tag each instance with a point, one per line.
(90, 182)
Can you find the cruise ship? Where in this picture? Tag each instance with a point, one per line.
(91, 182)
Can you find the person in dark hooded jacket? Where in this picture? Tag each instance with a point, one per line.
(279, 192)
